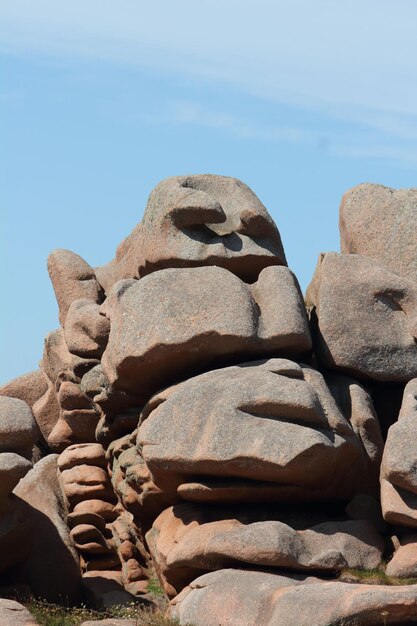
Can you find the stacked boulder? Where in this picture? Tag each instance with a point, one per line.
(214, 431)
(18, 434)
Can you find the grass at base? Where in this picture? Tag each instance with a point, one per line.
(53, 615)
(375, 577)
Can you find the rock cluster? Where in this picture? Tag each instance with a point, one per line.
(195, 419)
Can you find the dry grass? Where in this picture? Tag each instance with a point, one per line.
(53, 615)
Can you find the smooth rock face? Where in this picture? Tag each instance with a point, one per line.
(14, 614)
(182, 543)
(398, 468)
(29, 387)
(260, 430)
(72, 278)
(236, 597)
(366, 318)
(18, 430)
(199, 220)
(52, 568)
(380, 222)
(12, 468)
(192, 317)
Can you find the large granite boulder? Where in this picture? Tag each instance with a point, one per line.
(18, 430)
(199, 220)
(182, 453)
(380, 222)
(267, 430)
(185, 540)
(364, 318)
(14, 614)
(193, 317)
(52, 566)
(29, 387)
(236, 597)
(18, 434)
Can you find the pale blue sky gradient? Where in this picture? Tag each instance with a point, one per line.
(99, 100)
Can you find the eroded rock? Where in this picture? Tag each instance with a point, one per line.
(364, 318)
(196, 316)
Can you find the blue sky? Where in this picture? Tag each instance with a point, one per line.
(99, 100)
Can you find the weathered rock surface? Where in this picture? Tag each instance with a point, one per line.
(236, 597)
(29, 387)
(52, 568)
(46, 411)
(357, 406)
(72, 278)
(260, 431)
(77, 419)
(404, 561)
(399, 464)
(364, 318)
(17, 435)
(380, 222)
(82, 454)
(170, 427)
(12, 468)
(18, 430)
(202, 220)
(133, 483)
(195, 316)
(58, 363)
(14, 614)
(184, 541)
(85, 482)
(86, 330)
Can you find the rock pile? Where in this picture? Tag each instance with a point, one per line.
(217, 431)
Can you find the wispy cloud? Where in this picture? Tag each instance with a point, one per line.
(193, 113)
(350, 52)
(350, 60)
(386, 137)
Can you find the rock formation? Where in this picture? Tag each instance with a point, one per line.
(193, 418)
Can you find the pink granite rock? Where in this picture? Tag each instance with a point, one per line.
(398, 468)
(202, 220)
(266, 430)
(18, 431)
(29, 387)
(195, 316)
(185, 541)
(52, 568)
(364, 318)
(86, 330)
(380, 222)
(236, 597)
(72, 278)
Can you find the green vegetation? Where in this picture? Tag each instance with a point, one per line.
(155, 588)
(53, 615)
(374, 577)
